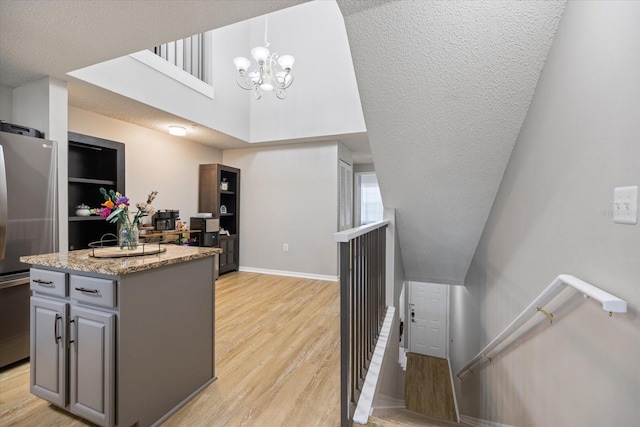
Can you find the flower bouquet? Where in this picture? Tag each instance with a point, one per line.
(116, 209)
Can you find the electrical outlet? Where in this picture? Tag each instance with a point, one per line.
(285, 248)
(625, 205)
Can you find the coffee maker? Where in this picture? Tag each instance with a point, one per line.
(209, 227)
(165, 219)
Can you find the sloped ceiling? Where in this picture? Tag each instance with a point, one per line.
(445, 86)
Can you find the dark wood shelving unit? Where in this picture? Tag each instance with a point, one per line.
(210, 199)
(93, 163)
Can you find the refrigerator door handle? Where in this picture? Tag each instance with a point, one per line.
(3, 205)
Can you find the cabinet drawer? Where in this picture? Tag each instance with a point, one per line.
(93, 291)
(48, 282)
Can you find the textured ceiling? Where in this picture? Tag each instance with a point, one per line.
(50, 38)
(445, 86)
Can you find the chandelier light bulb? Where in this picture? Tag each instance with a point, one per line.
(260, 54)
(241, 63)
(283, 78)
(286, 62)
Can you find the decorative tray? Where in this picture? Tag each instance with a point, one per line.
(116, 252)
(104, 248)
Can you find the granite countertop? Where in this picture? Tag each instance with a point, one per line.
(82, 261)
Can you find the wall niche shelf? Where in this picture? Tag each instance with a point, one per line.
(93, 163)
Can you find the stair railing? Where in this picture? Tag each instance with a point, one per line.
(610, 303)
(362, 307)
(189, 54)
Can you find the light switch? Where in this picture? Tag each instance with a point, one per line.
(625, 205)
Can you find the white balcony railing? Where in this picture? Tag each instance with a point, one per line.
(191, 54)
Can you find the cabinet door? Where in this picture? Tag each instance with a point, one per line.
(232, 253)
(49, 349)
(223, 255)
(92, 365)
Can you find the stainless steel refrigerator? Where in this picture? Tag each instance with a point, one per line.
(28, 225)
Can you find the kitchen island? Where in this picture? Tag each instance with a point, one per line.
(122, 341)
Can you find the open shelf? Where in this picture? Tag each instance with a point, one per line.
(86, 218)
(93, 163)
(92, 181)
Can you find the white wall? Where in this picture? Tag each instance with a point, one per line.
(6, 104)
(131, 78)
(323, 99)
(363, 167)
(153, 160)
(580, 139)
(288, 195)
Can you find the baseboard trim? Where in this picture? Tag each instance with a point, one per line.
(453, 390)
(386, 405)
(289, 273)
(477, 422)
(386, 410)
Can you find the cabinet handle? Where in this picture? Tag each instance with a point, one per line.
(47, 283)
(89, 291)
(71, 329)
(56, 332)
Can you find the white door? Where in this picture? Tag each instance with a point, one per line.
(346, 196)
(428, 314)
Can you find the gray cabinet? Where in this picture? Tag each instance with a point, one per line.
(73, 346)
(123, 350)
(92, 367)
(48, 349)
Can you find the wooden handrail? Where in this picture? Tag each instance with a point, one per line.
(610, 303)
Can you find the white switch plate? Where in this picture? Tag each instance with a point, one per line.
(625, 205)
(285, 247)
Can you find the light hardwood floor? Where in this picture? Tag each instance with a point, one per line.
(277, 361)
(427, 387)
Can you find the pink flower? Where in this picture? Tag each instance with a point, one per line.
(104, 212)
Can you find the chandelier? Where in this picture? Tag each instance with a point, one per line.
(267, 76)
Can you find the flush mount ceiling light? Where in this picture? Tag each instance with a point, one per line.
(177, 130)
(267, 77)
